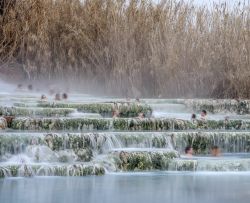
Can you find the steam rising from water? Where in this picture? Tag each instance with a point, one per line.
(6, 88)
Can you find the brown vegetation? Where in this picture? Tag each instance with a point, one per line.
(131, 47)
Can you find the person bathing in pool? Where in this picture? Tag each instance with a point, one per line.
(203, 115)
(215, 151)
(189, 151)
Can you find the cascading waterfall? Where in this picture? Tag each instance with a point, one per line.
(37, 148)
(80, 138)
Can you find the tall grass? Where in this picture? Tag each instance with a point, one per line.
(131, 48)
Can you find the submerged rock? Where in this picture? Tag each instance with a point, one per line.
(144, 160)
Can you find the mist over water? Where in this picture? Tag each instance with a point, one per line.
(130, 147)
(6, 88)
(139, 166)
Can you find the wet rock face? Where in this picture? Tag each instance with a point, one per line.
(34, 111)
(98, 143)
(69, 148)
(132, 124)
(66, 156)
(60, 124)
(139, 161)
(84, 154)
(74, 141)
(183, 165)
(50, 141)
(218, 106)
(136, 143)
(28, 170)
(125, 110)
(177, 124)
(80, 145)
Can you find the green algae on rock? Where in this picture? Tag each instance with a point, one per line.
(219, 105)
(144, 160)
(105, 109)
(27, 170)
(60, 124)
(183, 165)
(100, 142)
(202, 142)
(35, 111)
(134, 124)
(161, 124)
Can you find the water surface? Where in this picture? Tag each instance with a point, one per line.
(130, 188)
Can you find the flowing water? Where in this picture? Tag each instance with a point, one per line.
(126, 159)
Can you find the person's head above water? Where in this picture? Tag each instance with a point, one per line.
(189, 150)
(193, 116)
(203, 113)
(141, 115)
(65, 96)
(215, 151)
(116, 113)
(43, 97)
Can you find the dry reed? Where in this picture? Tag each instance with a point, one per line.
(133, 47)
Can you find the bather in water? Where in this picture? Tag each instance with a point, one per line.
(57, 97)
(188, 152)
(64, 96)
(215, 151)
(203, 115)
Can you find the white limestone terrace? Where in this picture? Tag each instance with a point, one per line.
(52, 138)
